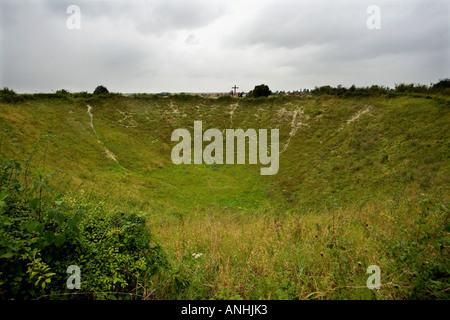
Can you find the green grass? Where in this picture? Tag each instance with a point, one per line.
(349, 193)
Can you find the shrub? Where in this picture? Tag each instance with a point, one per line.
(62, 92)
(261, 91)
(9, 96)
(442, 86)
(101, 90)
(42, 234)
(82, 94)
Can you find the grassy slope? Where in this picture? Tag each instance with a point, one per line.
(261, 236)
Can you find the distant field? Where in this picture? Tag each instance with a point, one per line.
(362, 181)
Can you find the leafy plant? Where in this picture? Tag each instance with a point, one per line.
(42, 234)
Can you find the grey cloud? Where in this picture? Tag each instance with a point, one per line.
(332, 38)
(203, 45)
(39, 52)
(292, 24)
(147, 17)
(342, 26)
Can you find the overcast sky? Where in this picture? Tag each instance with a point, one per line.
(211, 45)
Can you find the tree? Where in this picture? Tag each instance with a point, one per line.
(261, 91)
(7, 95)
(441, 85)
(100, 90)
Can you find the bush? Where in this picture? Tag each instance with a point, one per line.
(62, 92)
(9, 96)
(42, 234)
(261, 91)
(82, 94)
(442, 86)
(101, 90)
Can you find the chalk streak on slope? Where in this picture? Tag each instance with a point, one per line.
(108, 153)
(355, 117)
(295, 125)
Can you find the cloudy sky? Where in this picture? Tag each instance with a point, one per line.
(211, 45)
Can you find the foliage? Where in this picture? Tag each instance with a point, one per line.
(62, 92)
(9, 96)
(42, 234)
(261, 90)
(101, 90)
(82, 94)
(441, 87)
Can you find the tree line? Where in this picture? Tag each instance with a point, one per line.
(443, 86)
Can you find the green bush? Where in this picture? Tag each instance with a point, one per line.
(82, 94)
(62, 92)
(42, 234)
(101, 90)
(261, 91)
(9, 96)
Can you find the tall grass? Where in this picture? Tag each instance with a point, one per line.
(251, 255)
